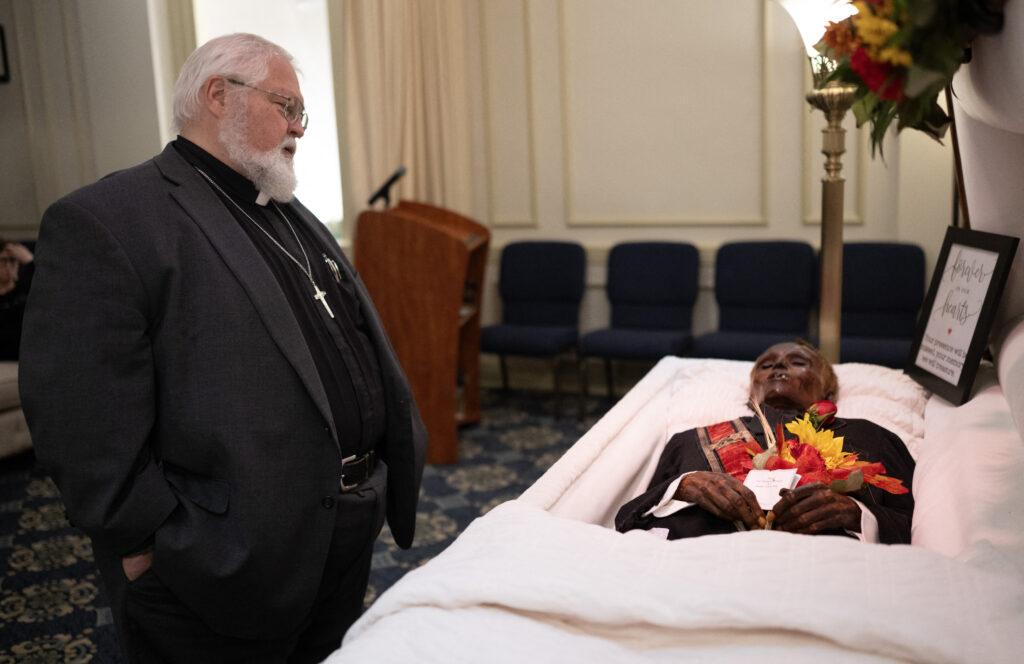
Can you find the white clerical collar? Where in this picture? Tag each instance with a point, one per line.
(263, 199)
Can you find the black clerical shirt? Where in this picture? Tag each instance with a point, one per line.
(340, 346)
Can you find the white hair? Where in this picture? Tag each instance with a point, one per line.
(241, 56)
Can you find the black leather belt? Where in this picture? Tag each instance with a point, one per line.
(356, 469)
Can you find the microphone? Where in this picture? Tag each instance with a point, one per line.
(385, 189)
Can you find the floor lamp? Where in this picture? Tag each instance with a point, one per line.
(833, 99)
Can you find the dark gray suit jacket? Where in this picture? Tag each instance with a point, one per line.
(169, 389)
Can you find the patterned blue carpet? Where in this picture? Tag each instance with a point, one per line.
(52, 603)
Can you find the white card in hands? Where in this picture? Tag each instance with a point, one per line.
(766, 484)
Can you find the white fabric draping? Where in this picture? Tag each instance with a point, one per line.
(537, 579)
(406, 100)
(988, 103)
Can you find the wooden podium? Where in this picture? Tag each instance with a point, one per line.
(424, 267)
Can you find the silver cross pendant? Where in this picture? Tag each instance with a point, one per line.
(322, 296)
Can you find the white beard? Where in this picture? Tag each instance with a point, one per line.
(271, 172)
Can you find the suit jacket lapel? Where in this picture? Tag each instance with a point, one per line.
(385, 353)
(389, 363)
(208, 212)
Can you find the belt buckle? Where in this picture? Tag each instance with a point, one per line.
(347, 460)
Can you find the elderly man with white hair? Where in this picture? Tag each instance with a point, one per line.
(210, 386)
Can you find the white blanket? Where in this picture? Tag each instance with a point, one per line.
(543, 579)
(521, 585)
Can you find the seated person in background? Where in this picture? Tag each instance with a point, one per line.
(691, 492)
(16, 269)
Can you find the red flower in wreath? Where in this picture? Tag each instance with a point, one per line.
(818, 456)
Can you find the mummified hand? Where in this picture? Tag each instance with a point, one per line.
(813, 508)
(723, 495)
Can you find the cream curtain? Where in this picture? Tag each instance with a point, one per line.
(174, 39)
(406, 100)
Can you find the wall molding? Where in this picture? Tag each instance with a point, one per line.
(496, 220)
(668, 220)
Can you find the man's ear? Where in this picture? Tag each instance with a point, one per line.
(214, 95)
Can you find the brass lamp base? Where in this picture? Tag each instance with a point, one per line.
(833, 99)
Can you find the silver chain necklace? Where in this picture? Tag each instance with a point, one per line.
(307, 269)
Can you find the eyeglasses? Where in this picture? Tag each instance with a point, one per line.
(292, 110)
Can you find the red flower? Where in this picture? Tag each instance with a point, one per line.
(809, 464)
(872, 73)
(873, 475)
(822, 413)
(877, 76)
(775, 462)
(815, 453)
(893, 90)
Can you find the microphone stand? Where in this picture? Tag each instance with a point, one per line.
(385, 189)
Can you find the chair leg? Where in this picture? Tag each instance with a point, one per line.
(609, 377)
(558, 388)
(504, 372)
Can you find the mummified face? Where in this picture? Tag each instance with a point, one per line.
(789, 376)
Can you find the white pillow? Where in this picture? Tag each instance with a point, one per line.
(967, 480)
(887, 397)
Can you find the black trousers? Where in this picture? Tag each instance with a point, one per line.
(162, 630)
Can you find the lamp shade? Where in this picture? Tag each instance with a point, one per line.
(812, 16)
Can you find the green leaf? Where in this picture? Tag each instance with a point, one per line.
(863, 107)
(935, 121)
(919, 79)
(921, 13)
(760, 460)
(884, 115)
(851, 483)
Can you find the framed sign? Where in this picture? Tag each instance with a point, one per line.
(952, 330)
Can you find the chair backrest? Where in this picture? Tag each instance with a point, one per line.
(883, 286)
(652, 285)
(541, 283)
(765, 286)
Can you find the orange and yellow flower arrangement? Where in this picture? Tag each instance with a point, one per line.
(900, 54)
(818, 456)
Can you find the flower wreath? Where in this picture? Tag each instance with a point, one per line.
(900, 54)
(817, 454)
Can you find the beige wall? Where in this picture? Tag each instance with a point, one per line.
(603, 121)
(594, 120)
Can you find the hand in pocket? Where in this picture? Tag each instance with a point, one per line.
(135, 566)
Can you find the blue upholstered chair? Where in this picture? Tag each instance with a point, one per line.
(883, 287)
(765, 292)
(541, 286)
(651, 287)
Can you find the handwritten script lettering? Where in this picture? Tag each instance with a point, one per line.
(967, 271)
(959, 301)
(958, 310)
